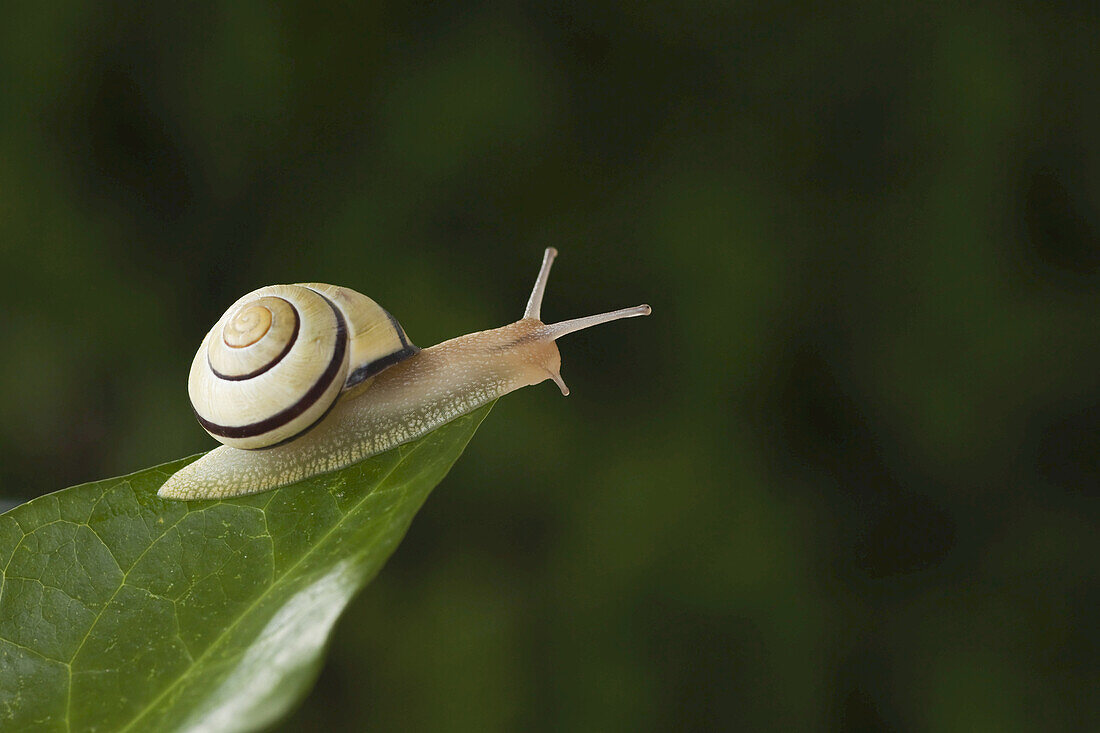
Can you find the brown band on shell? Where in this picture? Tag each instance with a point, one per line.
(367, 371)
(273, 362)
(311, 396)
(400, 331)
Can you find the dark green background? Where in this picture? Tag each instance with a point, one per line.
(844, 478)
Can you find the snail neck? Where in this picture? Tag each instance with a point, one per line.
(477, 367)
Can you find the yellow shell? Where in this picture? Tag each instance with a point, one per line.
(279, 358)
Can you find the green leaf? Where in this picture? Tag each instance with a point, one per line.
(122, 611)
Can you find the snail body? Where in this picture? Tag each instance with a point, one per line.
(385, 391)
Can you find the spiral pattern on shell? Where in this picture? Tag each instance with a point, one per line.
(278, 359)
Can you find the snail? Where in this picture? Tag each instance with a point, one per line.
(299, 380)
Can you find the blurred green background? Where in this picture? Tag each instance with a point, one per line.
(844, 478)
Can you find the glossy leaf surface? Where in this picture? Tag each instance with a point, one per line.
(123, 611)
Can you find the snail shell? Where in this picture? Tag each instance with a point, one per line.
(280, 357)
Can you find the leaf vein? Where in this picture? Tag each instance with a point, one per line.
(35, 652)
(260, 596)
(98, 616)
